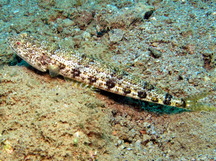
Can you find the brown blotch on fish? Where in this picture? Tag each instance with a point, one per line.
(154, 99)
(75, 72)
(167, 100)
(148, 86)
(61, 66)
(110, 83)
(92, 79)
(127, 90)
(43, 59)
(181, 104)
(142, 94)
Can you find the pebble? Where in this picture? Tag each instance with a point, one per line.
(122, 147)
(138, 144)
(116, 35)
(86, 35)
(155, 53)
(146, 137)
(119, 142)
(67, 22)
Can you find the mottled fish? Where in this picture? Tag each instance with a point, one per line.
(89, 72)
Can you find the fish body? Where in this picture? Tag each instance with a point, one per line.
(89, 72)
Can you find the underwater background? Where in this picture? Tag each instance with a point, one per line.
(169, 43)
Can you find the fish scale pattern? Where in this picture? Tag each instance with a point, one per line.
(88, 71)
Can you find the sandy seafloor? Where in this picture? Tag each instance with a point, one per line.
(44, 118)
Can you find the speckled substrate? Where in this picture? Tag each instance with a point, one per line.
(45, 118)
(174, 49)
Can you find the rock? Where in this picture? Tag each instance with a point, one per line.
(155, 53)
(67, 22)
(116, 35)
